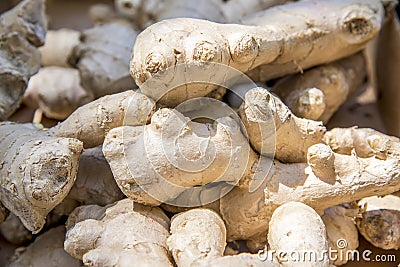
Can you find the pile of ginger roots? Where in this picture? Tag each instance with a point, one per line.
(199, 133)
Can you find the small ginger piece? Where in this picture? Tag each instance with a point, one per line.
(91, 122)
(380, 221)
(102, 58)
(58, 47)
(297, 228)
(46, 250)
(271, 126)
(124, 233)
(317, 93)
(36, 171)
(22, 30)
(341, 232)
(280, 37)
(56, 91)
(197, 234)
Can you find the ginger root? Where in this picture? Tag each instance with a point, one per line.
(280, 36)
(364, 142)
(271, 126)
(336, 81)
(58, 47)
(56, 91)
(380, 221)
(91, 122)
(22, 30)
(178, 154)
(46, 250)
(36, 171)
(118, 235)
(297, 228)
(102, 58)
(197, 234)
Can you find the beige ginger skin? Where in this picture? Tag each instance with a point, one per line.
(296, 227)
(57, 91)
(177, 154)
(275, 36)
(23, 29)
(58, 47)
(102, 57)
(317, 93)
(104, 114)
(379, 221)
(197, 234)
(37, 171)
(271, 126)
(118, 235)
(38, 175)
(364, 142)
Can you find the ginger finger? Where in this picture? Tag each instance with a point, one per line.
(271, 125)
(364, 142)
(337, 81)
(103, 114)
